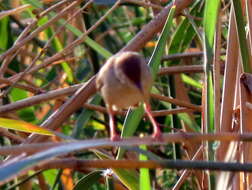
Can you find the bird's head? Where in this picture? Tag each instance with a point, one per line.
(128, 69)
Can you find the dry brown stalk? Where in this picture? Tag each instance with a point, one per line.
(183, 55)
(143, 4)
(154, 113)
(14, 138)
(39, 98)
(82, 165)
(22, 86)
(163, 71)
(133, 164)
(14, 11)
(176, 102)
(54, 7)
(228, 87)
(131, 141)
(55, 94)
(181, 69)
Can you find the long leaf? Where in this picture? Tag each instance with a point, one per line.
(245, 55)
(87, 181)
(145, 183)
(209, 24)
(210, 20)
(23, 126)
(130, 178)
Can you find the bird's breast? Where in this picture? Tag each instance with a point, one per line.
(118, 91)
(120, 96)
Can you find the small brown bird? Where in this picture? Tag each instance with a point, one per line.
(125, 80)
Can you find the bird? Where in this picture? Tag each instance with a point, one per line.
(125, 81)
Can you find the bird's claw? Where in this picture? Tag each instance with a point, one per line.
(157, 136)
(115, 137)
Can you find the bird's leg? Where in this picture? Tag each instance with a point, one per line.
(112, 126)
(156, 131)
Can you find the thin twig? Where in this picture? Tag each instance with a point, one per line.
(14, 11)
(22, 86)
(181, 69)
(182, 55)
(70, 90)
(151, 164)
(186, 173)
(130, 141)
(10, 57)
(154, 113)
(40, 29)
(39, 98)
(176, 102)
(11, 136)
(143, 3)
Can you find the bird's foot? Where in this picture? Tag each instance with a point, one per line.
(115, 137)
(157, 136)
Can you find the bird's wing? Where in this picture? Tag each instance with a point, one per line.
(99, 83)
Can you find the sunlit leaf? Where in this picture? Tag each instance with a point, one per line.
(23, 126)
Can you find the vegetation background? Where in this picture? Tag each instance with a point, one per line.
(199, 53)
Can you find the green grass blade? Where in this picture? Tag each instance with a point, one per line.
(245, 55)
(185, 33)
(145, 183)
(84, 117)
(209, 24)
(210, 20)
(26, 113)
(162, 41)
(131, 122)
(4, 34)
(109, 183)
(87, 181)
(190, 81)
(130, 178)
